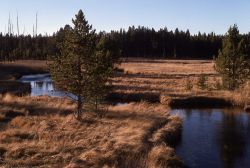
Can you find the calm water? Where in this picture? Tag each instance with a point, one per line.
(41, 84)
(215, 138)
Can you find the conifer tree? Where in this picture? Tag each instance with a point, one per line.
(85, 63)
(70, 69)
(232, 62)
(100, 70)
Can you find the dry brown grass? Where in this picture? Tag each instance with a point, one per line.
(168, 67)
(38, 136)
(150, 79)
(10, 71)
(14, 70)
(33, 64)
(168, 79)
(163, 75)
(163, 156)
(39, 132)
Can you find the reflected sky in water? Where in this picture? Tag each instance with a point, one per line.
(215, 138)
(41, 84)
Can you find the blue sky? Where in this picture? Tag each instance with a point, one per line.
(195, 15)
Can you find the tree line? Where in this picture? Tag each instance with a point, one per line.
(13, 47)
(134, 42)
(145, 42)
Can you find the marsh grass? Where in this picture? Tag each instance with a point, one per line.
(14, 70)
(44, 135)
(11, 71)
(175, 82)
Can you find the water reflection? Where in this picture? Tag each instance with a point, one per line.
(233, 138)
(42, 84)
(215, 138)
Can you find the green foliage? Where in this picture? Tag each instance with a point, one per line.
(202, 82)
(232, 62)
(82, 67)
(189, 85)
(101, 68)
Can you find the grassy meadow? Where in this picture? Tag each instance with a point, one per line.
(166, 81)
(42, 132)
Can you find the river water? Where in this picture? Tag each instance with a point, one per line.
(42, 84)
(211, 138)
(214, 138)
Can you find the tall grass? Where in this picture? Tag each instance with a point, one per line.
(44, 135)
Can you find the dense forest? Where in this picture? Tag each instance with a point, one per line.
(134, 42)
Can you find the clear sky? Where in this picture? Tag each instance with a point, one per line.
(195, 15)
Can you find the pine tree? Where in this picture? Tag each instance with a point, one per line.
(70, 69)
(100, 70)
(85, 64)
(232, 62)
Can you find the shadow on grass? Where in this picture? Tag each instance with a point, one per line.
(14, 71)
(200, 102)
(16, 110)
(134, 97)
(15, 88)
(36, 109)
(131, 116)
(163, 76)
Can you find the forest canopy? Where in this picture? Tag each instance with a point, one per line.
(133, 42)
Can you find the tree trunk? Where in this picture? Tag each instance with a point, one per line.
(79, 108)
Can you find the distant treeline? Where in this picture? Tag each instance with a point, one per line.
(145, 42)
(134, 42)
(26, 47)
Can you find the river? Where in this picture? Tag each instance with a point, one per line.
(42, 84)
(210, 137)
(214, 138)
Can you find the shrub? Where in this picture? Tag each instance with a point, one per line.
(189, 85)
(202, 82)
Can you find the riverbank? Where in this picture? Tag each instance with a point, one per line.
(40, 131)
(204, 99)
(155, 81)
(175, 83)
(14, 70)
(11, 71)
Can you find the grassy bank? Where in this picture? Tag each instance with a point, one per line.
(165, 81)
(206, 99)
(14, 87)
(40, 132)
(10, 71)
(14, 70)
(149, 80)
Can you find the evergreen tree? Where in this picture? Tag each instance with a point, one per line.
(71, 68)
(84, 67)
(100, 70)
(232, 62)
